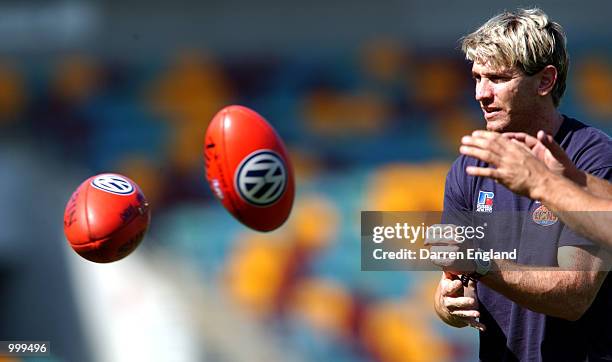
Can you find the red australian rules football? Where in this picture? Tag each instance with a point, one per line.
(106, 218)
(248, 168)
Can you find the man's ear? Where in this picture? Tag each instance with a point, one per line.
(548, 79)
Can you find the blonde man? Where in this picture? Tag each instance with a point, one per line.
(552, 302)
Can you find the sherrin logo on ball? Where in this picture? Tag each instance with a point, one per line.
(106, 218)
(248, 169)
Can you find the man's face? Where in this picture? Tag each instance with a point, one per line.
(507, 97)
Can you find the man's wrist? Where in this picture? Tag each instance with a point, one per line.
(481, 268)
(541, 184)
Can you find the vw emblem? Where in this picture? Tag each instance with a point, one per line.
(114, 184)
(261, 178)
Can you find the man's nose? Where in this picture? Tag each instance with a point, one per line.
(483, 90)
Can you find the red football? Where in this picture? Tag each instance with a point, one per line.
(248, 169)
(106, 218)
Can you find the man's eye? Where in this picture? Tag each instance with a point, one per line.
(498, 79)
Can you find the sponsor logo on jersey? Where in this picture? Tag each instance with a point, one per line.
(543, 216)
(485, 201)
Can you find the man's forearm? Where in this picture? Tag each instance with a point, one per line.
(548, 290)
(593, 184)
(569, 201)
(599, 187)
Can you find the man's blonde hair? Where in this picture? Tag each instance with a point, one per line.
(526, 39)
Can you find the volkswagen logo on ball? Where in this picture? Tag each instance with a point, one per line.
(114, 184)
(261, 178)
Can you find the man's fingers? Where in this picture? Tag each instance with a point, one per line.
(448, 275)
(510, 135)
(528, 140)
(486, 143)
(469, 320)
(520, 144)
(549, 142)
(485, 134)
(483, 155)
(455, 303)
(451, 287)
(542, 136)
(482, 171)
(466, 313)
(476, 324)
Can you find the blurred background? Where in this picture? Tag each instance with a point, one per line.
(371, 100)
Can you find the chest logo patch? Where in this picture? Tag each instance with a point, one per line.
(544, 217)
(485, 201)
